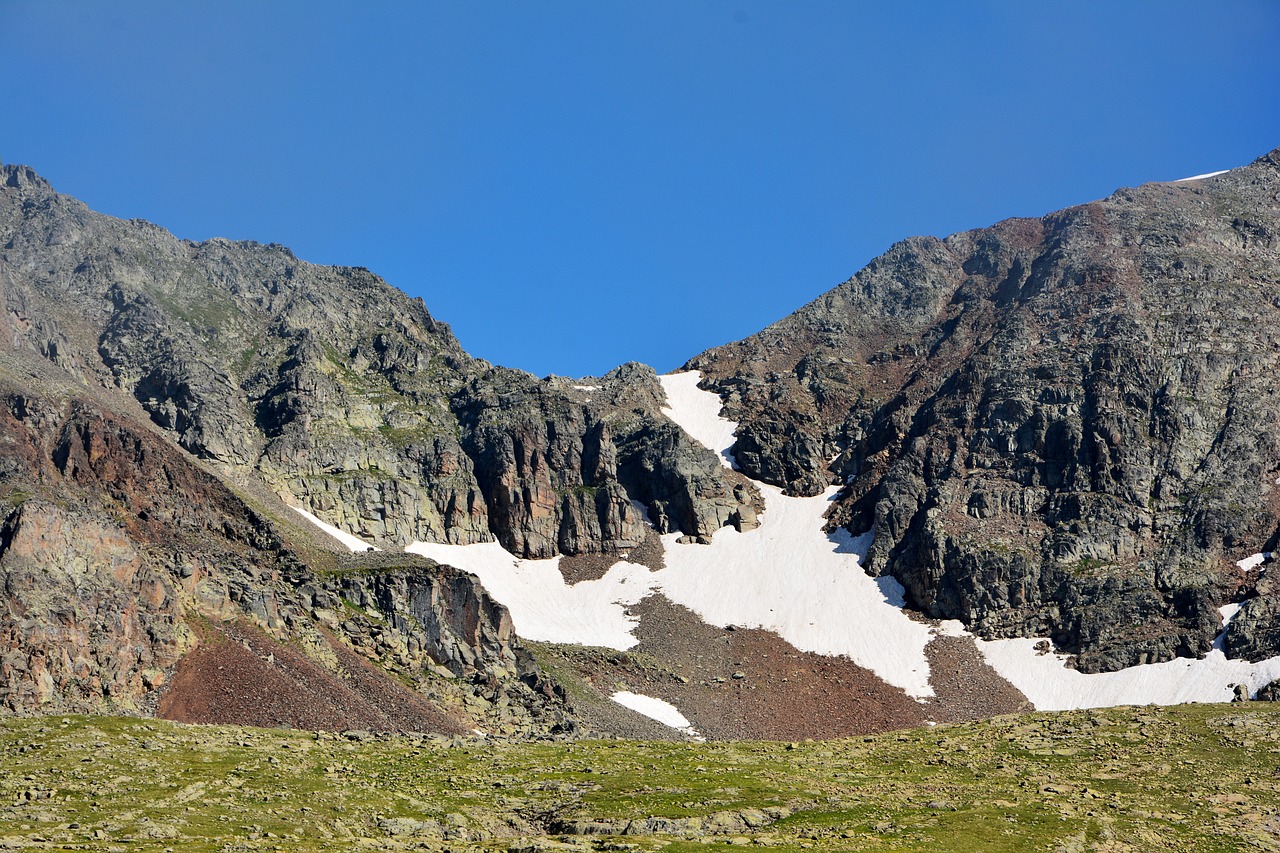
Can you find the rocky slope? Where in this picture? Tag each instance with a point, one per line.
(1058, 427)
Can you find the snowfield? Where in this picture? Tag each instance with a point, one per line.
(789, 577)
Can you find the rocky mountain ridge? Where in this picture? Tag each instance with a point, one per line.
(1057, 427)
(341, 393)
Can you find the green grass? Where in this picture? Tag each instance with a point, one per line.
(1192, 778)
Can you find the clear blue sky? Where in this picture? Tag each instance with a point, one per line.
(572, 185)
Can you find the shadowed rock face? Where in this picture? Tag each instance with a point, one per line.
(1061, 426)
(340, 393)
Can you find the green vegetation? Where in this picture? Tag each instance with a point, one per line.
(1191, 778)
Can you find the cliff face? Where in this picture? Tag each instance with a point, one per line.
(340, 393)
(1059, 426)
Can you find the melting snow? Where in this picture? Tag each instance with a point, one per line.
(356, 545)
(587, 387)
(656, 709)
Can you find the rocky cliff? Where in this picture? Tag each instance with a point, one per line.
(1057, 427)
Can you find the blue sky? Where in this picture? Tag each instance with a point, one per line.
(572, 185)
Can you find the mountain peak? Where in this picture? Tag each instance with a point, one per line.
(22, 177)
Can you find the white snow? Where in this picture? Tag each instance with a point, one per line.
(544, 607)
(1201, 177)
(1047, 682)
(1052, 686)
(697, 412)
(1228, 612)
(1254, 561)
(587, 388)
(788, 577)
(656, 709)
(355, 544)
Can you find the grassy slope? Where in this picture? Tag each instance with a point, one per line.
(1186, 778)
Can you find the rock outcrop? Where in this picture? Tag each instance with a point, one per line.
(1057, 427)
(164, 400)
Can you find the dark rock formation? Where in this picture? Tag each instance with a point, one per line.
(1057, 426)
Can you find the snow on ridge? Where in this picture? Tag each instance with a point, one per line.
(1201, 177)
(697, 412)
(356, 545)
(656, 709)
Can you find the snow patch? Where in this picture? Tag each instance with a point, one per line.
(1201, 177)
(697, 412)
(587, 388)
(544, 607)
(1249, 563)
(356, 545)
(656, 709)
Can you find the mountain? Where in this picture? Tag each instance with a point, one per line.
(1055, 432)
(166, 401)
(1059, 427)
